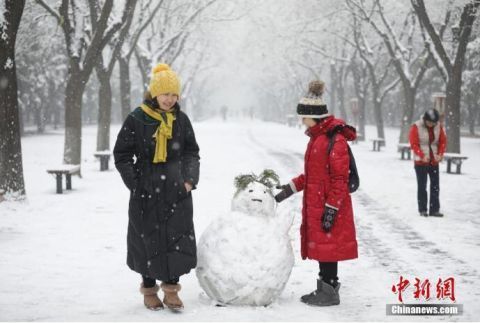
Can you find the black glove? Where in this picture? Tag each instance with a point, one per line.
(284, 194)
(328, 219)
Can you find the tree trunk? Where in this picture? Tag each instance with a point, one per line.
(142, 68)
(125, 86)
(407, 113)
(73, 117)
(470, 102)
(472, 117)
(361, 117)
(333, 91)
(40, 118)
(104, 112)
(377, 111)
(11, 166)
(452, 111)
(341, 97)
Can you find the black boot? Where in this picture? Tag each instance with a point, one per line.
(324, 295)
(437, 214)
(423, 213)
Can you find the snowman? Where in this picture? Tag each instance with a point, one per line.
(245, 257)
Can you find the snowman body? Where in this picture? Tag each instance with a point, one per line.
(245, 257)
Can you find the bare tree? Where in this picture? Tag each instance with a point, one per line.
(141, 24)
(378, 69)
(410, 66)
(104, 73)
(361, 84)
(451, 68)
(83, 54)
(168, 36)
(471, 84)
(11, 167)
(41, 70)
(339, 60)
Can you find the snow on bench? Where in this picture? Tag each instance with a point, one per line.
(377, 143)
(453, 158)
(405, 149)
(68, 171)
(104, 157)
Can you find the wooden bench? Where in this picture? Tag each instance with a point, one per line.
(104, 159)
(377, 143)
(452, 158)
(2, 193)
(68, 171)
(405, 149)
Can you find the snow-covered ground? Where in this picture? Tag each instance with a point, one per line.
(62, 257)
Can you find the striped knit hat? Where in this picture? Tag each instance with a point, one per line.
(312, 105)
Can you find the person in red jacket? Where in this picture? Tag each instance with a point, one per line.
(327, 230)
(428, 142)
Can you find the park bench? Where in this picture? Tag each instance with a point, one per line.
(377, 143)
(68, 171)
(104, 157)
(405, 149)
(452, 158)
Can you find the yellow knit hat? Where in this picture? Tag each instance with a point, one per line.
(164, 80)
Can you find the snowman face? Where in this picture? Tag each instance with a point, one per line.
(255, 200)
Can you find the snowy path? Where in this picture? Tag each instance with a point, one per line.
(63, 256)
(393, 240)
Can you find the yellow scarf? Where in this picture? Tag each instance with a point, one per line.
(164, 132)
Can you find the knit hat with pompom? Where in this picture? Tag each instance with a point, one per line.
(163, 81)
(312, 105)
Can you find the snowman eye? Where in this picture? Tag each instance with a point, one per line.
(250, 191)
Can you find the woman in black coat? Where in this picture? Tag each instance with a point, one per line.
(158, 158)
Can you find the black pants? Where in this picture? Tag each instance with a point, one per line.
(150, 282)
(328, 272)
(423, 172)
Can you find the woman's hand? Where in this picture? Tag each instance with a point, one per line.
(438, 158)
(188, 187)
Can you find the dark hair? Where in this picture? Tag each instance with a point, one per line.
(147, 97)
(431, 115)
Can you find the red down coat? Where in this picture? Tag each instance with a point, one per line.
(325, 182)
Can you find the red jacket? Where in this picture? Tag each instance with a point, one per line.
(325, 182)
(420, 136)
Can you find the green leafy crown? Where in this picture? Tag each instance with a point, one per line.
(268, 178)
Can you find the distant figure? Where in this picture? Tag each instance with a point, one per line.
(251, 112)
(428, 142)
(161, 237)
(223, 112)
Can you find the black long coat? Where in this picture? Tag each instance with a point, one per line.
(161, 237)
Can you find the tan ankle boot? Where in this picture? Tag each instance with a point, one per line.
(171, 298)
(150, 297)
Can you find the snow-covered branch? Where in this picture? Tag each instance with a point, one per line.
(419, 7)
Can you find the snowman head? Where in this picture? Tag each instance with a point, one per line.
(254, 194)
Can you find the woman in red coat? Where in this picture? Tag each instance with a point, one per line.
(327, 230)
